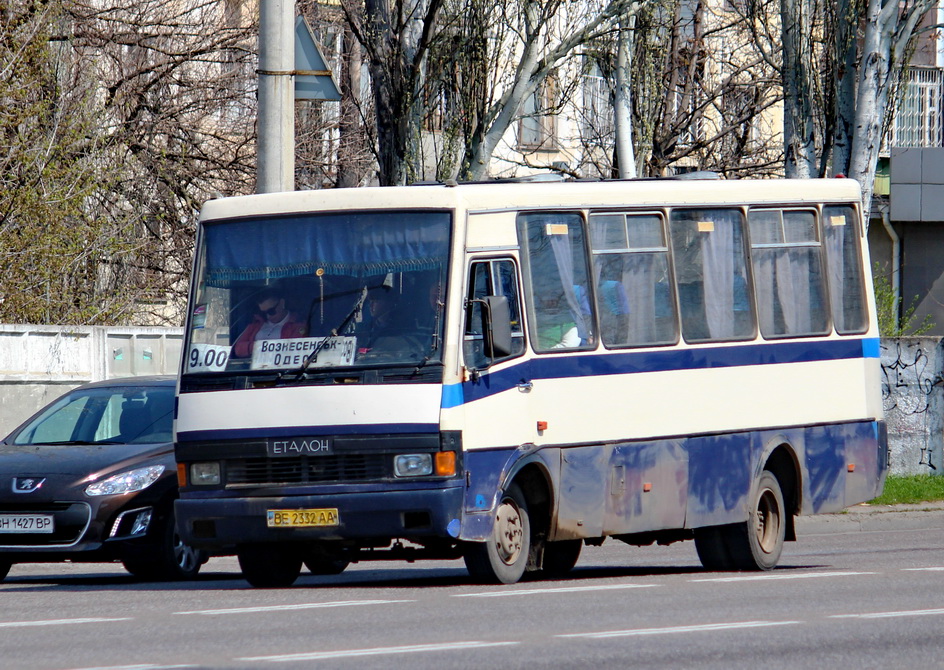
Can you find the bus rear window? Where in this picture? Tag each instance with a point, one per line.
(846, 286)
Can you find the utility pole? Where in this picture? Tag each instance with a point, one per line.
(276, 121)
(622, 108)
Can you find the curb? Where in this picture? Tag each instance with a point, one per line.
(877, 518)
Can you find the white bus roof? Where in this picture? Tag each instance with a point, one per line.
(490, 196)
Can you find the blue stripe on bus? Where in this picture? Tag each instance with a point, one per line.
(629, 362)
(313, 431)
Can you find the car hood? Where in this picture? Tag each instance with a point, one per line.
(68, 465)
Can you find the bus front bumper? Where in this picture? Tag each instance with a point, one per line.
(220, 523)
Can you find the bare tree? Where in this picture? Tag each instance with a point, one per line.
(178, 102)
(396, 36)
(53, 163)
(869, 46)
(141, 114)
(334, 141)
(535, 38)
(701, 100)
(888, 30)
(799, 139)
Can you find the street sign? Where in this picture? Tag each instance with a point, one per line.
(313, 79)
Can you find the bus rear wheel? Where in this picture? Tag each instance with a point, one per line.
(322, 561)
(560, 557)
(268, 566)
(711, 546)
(755, 544)
(502, 558)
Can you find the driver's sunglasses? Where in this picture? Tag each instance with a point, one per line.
(272, 311)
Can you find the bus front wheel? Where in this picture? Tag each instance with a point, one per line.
(502, 558)
(269, 566)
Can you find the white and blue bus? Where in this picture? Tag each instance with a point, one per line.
(505, 372)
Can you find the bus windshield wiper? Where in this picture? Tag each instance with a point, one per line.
(303, 368)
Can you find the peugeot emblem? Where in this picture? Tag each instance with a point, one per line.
(27, 484)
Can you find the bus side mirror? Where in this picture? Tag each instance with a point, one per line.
(497, 326)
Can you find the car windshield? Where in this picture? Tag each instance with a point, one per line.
(104, 415)
(319, 291)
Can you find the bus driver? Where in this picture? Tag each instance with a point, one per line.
(273, 322)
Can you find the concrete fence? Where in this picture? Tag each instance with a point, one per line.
(38, 363)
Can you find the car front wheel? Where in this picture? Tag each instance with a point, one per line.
(169, 558)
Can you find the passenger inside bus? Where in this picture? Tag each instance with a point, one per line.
(384, 321)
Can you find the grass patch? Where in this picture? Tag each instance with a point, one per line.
(911, 490)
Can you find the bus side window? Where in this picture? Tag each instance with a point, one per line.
(490, 278)
(631, 273)
(557, 274)
(711, 274)
(788, 273)
(846, 287)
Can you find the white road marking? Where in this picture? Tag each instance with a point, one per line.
(289, 608)
(146, 666)
(774, 577)
(680, 629)
(888, 615)
(564, 589)
(376, 651)
(58, 622)
(923, 569)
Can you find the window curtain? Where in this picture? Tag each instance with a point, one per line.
(579, 306)
(718, 250)
(346, 244)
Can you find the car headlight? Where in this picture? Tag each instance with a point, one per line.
(126, 482)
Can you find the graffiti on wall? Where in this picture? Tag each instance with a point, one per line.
(910, 377)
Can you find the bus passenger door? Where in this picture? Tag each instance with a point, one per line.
(496, 387)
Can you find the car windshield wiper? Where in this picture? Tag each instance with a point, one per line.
(66, 443)
(303, 368)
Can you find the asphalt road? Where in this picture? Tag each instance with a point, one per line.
(857, 591)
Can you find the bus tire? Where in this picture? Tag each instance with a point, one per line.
(757, 543)
(711, 546)
(321, 565)
(269, 566)
(502, 558)
(560, 557)
(5, 569)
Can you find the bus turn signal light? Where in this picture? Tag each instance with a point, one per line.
(445, 463)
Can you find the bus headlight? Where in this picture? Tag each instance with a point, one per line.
(413, 465)
(205, 474)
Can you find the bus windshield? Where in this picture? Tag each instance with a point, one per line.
(319, 291)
